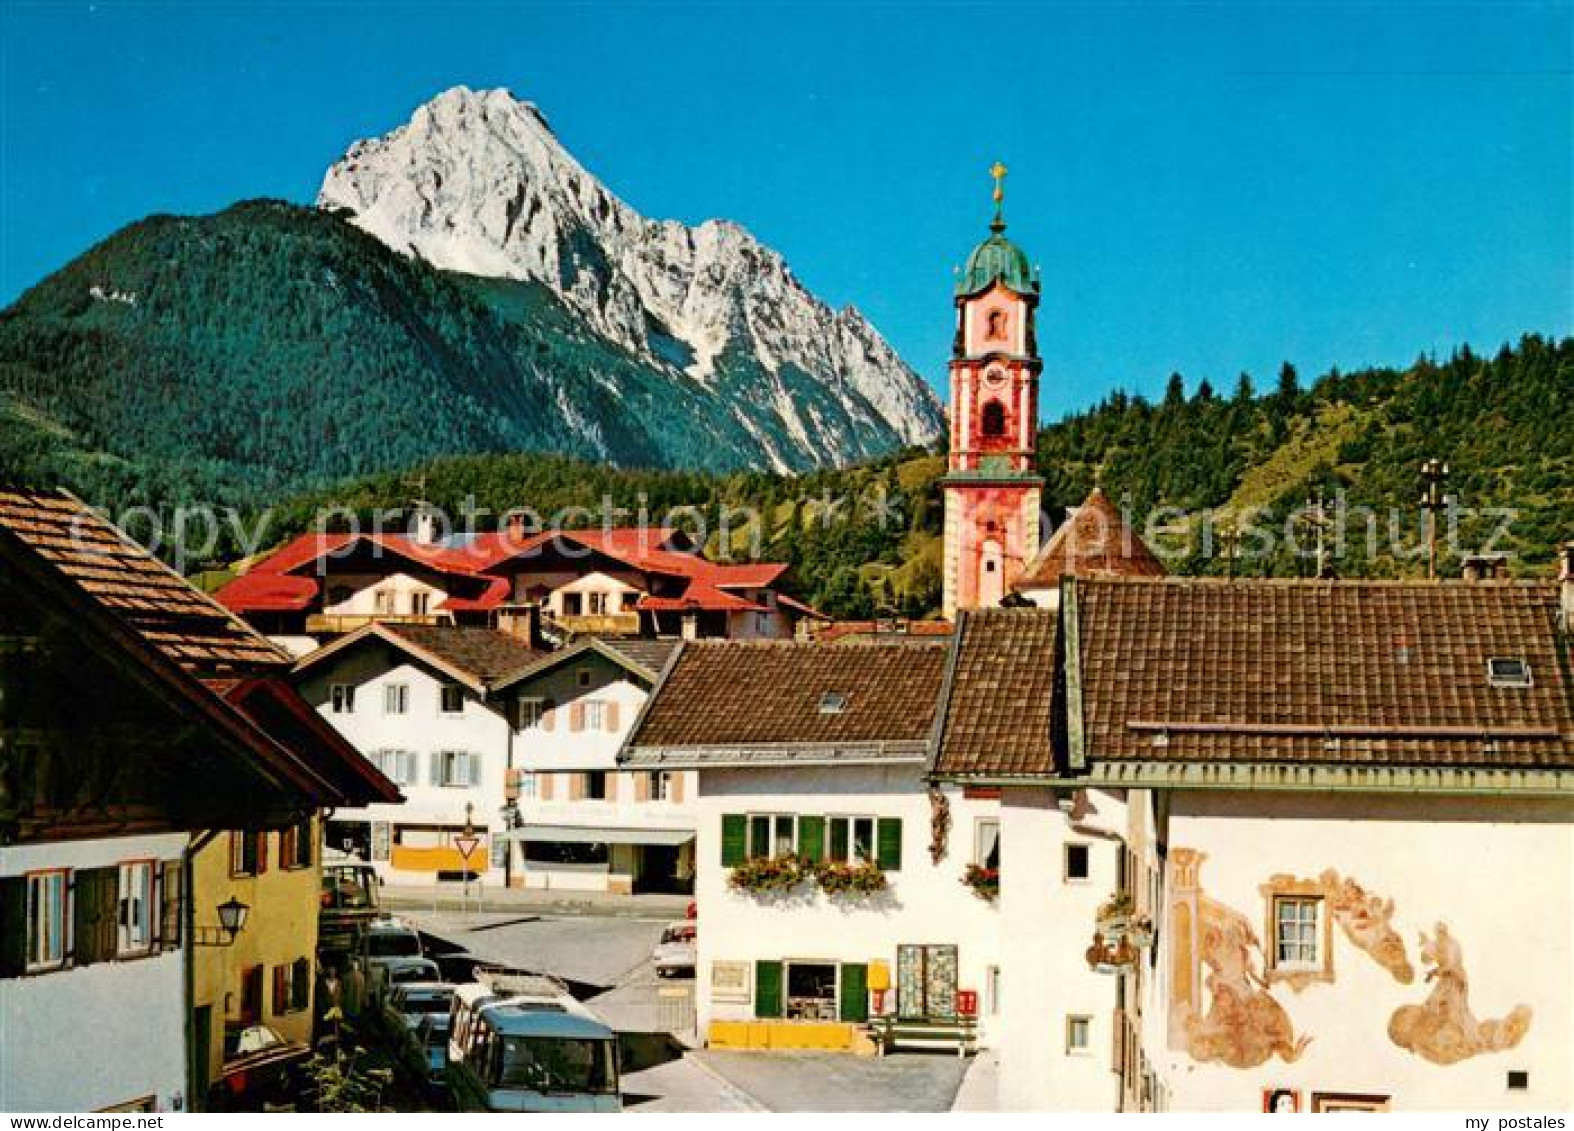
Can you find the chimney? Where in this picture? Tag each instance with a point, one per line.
(1566, 587)
(1484, 567)
(425, 532)
(519, 620)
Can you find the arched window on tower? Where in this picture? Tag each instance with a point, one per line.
(993, 422)
(995, 328)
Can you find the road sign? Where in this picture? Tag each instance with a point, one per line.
(467, 846)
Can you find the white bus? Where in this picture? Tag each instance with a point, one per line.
(520, 1042)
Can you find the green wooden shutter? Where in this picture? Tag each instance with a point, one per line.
(734, 839)
(855, 991)
(767, 989)
(95, 909)
(811, 837)
(839, 839)
(890, 840)
(13, 926)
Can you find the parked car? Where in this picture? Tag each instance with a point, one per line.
(403, 971)
(458, 966)
(259, 1067)
(424, 1051)
(409, 1002)
(675, 952)
(391, 942)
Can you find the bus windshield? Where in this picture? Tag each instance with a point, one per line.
(557, 1064)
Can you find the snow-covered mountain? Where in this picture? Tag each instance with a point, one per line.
(478, 183)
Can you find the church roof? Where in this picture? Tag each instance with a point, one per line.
(997, 259)
(1096, 542)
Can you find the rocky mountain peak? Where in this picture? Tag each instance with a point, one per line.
(477, 182)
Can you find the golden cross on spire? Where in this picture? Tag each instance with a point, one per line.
(998, 171)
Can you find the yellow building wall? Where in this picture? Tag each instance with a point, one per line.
(281, 928)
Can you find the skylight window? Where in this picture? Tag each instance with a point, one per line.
(832, 703)
(1508, 671)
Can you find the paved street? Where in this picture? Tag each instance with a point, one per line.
(823, 1081)
(604, 952)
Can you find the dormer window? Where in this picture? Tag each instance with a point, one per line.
(993, 422)
(833, 703)
(1508, 671)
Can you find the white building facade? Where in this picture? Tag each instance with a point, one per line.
(582, 823)
(95, 964)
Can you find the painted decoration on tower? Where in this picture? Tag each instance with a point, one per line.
(1224, 977)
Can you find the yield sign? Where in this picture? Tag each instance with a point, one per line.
(466, 846)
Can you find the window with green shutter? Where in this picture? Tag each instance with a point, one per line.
(891, 843)
(767, 989)
(734, 839)
(811, 837)
(854, 991)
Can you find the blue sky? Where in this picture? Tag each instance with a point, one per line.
(1209, 187)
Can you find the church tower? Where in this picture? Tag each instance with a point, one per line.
(991, 490)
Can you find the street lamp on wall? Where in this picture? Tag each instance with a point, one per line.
(232, 920)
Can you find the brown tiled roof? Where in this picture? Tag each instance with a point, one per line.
(766, 697)
(652, 655)
(1376, 673)
(868, 630)
(157, 603)
(998, 704)
(488, 654)
(1096, 541)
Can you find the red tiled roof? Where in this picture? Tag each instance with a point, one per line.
(1096, 541)
(647, 549)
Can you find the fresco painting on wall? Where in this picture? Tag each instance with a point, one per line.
(1442, 1029)
(1367, 922)
(1244, 1025)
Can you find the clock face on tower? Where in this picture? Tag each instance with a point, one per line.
(994, 378)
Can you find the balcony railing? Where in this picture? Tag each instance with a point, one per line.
(349, 622)
(599, 624)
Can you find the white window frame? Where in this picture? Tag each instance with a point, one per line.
(449, 760)
(528, 711)
(1074, 1021)
(1065, 862)
(444, 692)
(396, 698)
(595, 714)
(836, 983)
(398, 766)
(341, 697)
(420, 604)
(980, 855)
(660, 785)
(383, 603)
(47, 891)
(851, 820)
(134, 922)
(1307, 948)
(771, 835)
(597, 603)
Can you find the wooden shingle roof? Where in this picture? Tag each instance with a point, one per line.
(488, 654)
(998, 703)
(160, 605)
(733, 702)
(1302, 673)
